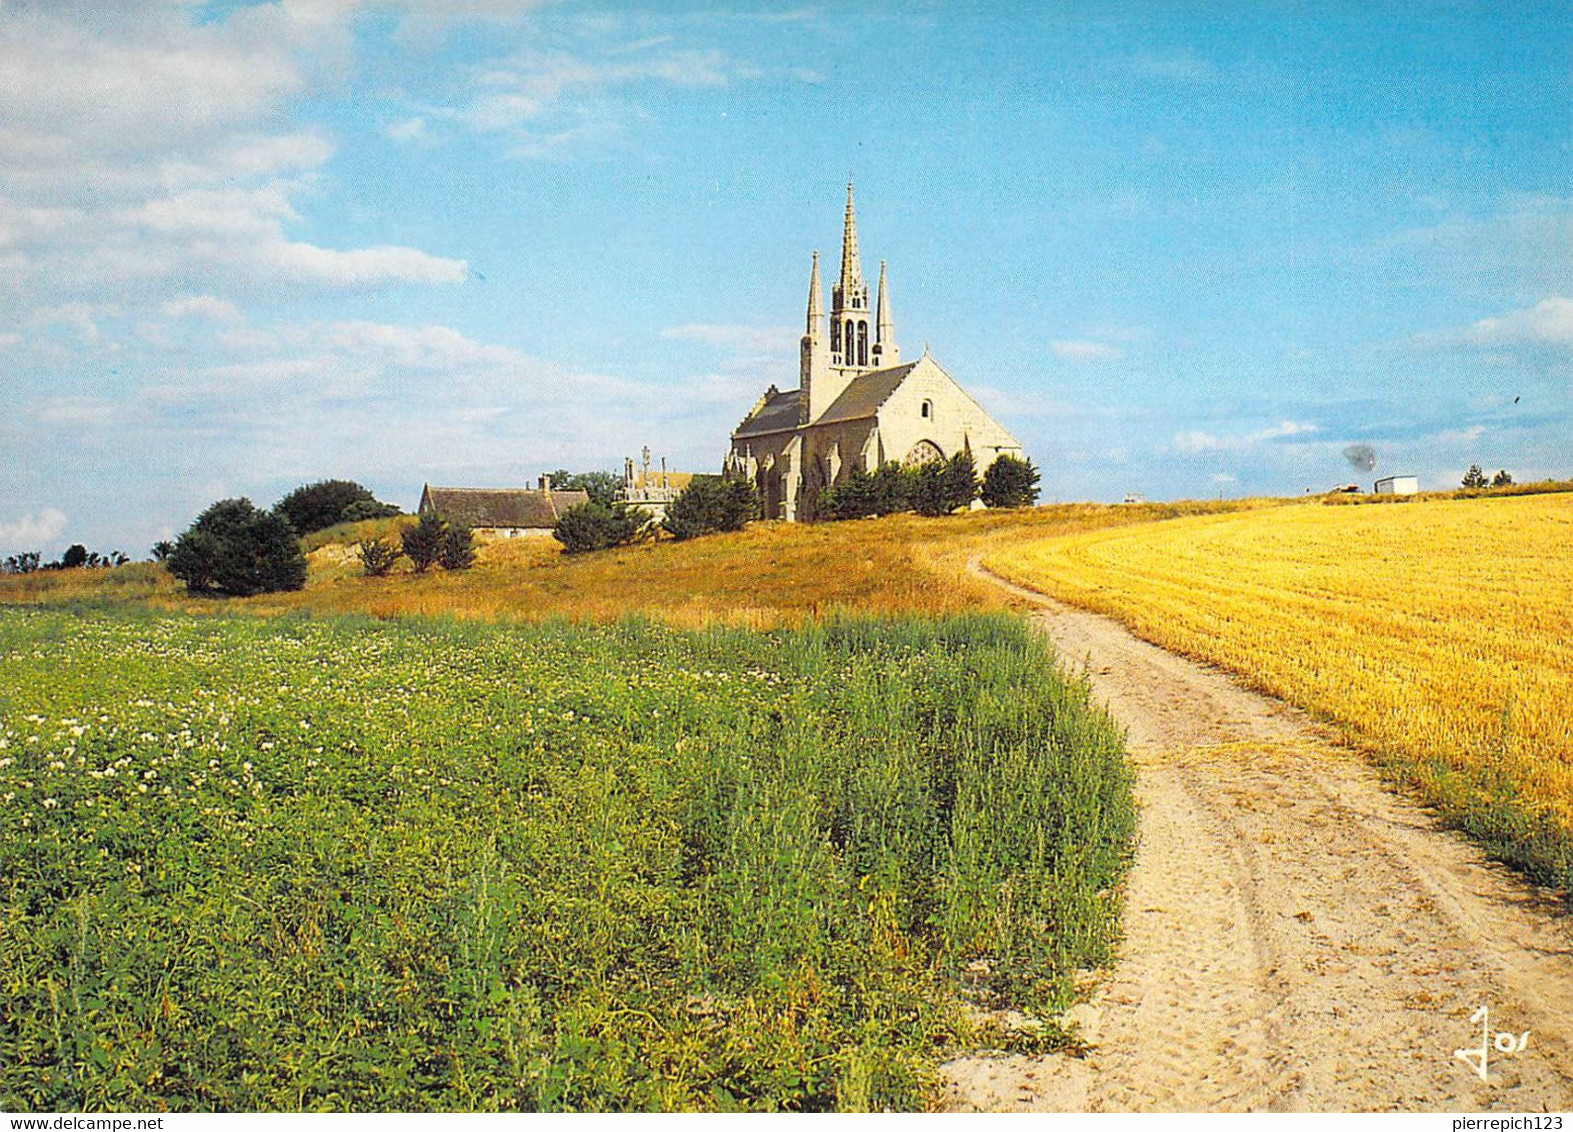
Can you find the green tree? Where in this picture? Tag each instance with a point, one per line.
(314, 506)
(892, 488)
(236, 549)
(458, 548)
(961, 481)
(24, 563)
(595, 526)
(423, 542)
(377, 556)
(601, 487)
(162, 550)
(710, 504)
(1474, 477)
(885, 491)
(363, 509)
(1010, 482)
(75, 555)
(852, 498)
(1501, 479)
(928, 488)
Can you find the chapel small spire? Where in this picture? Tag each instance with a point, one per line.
(813, 298)
(886, 331)
(886, 353)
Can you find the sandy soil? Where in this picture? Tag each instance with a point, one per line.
(1297, 937)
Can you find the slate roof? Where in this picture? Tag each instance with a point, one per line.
(777, 414)
(515, 507)
(865, 395)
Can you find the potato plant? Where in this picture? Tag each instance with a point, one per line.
(279, 864)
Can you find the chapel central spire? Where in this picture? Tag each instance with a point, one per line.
(851, 270)
(849, 336)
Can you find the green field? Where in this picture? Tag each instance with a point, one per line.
(340, 863)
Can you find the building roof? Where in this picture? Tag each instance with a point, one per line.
(508, 507)
(867, 392)
(778, 412)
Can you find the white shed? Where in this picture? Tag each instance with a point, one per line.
(1397, 485)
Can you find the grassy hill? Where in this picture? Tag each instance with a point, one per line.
(770, 574)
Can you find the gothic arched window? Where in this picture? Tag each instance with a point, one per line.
(850, 338)
(923, 452)
(927, 411)
(862, 343)
(835, 337)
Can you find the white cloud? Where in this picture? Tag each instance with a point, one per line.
(1524, 247)
(407, 130)
(139, 84)
(1223, 478)
(1460, 436)
(420, 347)
(235, 236)
(308, 263)
(1074, 350)
(1197, 442)
(9, 340)
(530, 85)
(545, 104)
(74, 411)
(1549, 321)
(142, 142)
(32, 532)
(204, 307)
(80, 317)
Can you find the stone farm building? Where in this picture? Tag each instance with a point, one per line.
(501, 512)
(856, 405)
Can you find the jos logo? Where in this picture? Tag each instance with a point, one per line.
(1503, 1042)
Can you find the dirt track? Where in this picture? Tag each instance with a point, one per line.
(1296, 936)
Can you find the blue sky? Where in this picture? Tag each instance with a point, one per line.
(1180, 250)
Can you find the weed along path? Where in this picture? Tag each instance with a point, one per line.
(1296, 936)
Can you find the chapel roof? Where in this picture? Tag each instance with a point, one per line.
(778, 412)
(867, 392)
(509, 507)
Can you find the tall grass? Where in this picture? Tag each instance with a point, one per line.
(329, 864)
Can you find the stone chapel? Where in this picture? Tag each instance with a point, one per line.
(857, 405)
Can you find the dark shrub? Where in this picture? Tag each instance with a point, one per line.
(595, 526)
(236, 549)
(1010, 482)
(423, 542)
(317, 505)
(377, 556)
(458, 549)
(928, 488)
(960, 482)
(711, 504)
(363, 509)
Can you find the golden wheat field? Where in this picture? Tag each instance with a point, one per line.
(1439, 634)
